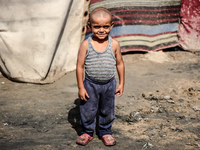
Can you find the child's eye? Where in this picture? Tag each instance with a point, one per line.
(106, 27)
(96, 27)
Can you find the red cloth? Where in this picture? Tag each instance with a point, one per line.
(189, 28)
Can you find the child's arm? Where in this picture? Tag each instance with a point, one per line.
(120, 68)
(82, 93)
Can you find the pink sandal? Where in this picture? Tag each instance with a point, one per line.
(108, 140)
(84, 139)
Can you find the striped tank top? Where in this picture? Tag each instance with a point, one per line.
(100, 65)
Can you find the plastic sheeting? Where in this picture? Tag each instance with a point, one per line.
(189, 29)
(39, 40)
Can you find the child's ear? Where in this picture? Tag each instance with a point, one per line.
(89, 25)
(112, 24)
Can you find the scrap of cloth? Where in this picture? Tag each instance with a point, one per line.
(189, 29)
(146, 25)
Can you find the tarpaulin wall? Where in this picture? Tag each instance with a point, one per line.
(145, 25)
(39, 40)
(189, 29)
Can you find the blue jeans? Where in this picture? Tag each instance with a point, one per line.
(102, 98)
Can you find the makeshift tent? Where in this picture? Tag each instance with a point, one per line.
(39, 40)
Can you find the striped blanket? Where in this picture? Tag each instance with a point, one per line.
(145, 25)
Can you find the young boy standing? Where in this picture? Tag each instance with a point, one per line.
(99, 55)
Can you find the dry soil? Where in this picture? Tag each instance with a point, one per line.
(159, 110)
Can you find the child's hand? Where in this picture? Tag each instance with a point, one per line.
(83, 95)
(119, 91)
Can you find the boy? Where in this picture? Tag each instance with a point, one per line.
(100, 55)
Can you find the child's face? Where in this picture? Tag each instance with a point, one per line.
(101, 27)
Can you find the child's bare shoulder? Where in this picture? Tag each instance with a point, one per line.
(84, 43)
(115, 45)
(115, 42)
(84, 46)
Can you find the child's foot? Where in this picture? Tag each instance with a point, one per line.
(108, 140)
(84, 139)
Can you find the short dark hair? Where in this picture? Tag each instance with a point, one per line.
(100, 10)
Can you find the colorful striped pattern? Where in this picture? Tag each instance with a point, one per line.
(145, 25)
(100, 66)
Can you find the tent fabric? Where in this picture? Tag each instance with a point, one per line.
(189, 29)
(146, 25)
(39, 40)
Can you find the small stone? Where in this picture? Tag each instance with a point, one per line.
(147, 145)
(160, 110)
(5, 124)
(196, 108)
(171, 101)
(143, 95)
(134, 116)
(167, 97)
(181, 100)
(176, 129)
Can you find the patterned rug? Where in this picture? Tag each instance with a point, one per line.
(146, 25)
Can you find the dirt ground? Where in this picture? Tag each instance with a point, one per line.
(159, 110)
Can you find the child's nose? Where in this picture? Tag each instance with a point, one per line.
(101, 29)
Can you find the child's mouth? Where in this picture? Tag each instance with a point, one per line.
(101, 34)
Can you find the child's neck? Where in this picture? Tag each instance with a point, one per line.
(100, 45)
